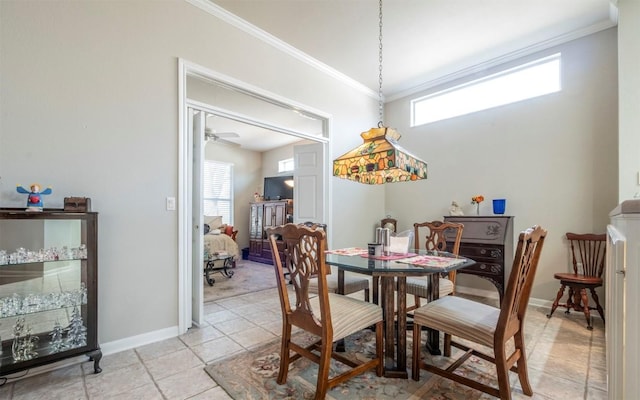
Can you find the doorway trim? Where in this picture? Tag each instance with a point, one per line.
(185, 172)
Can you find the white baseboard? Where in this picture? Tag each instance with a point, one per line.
(489, 294)
(492, 294)
(132, 342)
(107, 348)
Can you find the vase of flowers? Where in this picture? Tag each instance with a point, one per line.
(477, 200)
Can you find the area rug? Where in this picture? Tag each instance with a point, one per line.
(252, 375)
(248, 277)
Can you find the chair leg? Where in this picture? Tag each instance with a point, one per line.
(598, 306)
(284, 353)
(574, 300)
(323, 371)
(521, 365)
(366, 295)
(557, 300)
(585, 307)
(502, 373)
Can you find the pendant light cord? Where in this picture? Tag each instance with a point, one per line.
(380, 104)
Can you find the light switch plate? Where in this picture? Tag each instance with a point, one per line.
(171, 203)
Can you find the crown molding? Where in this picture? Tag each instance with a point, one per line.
(286, 48)
(429, 81)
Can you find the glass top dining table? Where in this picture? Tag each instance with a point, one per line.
(391, 273)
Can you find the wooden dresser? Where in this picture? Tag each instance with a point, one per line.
(488, 240)
(263, 215)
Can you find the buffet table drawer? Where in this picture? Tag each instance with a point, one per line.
(488, 240)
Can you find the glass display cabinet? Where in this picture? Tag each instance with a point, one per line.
(48, 288)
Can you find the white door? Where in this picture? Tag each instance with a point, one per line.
(198, 122)
(308, 187)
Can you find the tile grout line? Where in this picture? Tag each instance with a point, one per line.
(144, 365)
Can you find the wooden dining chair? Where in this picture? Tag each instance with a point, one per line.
(329, 316)
(433, 234)
(588, 260)
(389, 223)
(486, 325)
(351, 284)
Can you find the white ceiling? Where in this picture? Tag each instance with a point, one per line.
(423, 40)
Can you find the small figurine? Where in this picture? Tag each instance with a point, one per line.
(455, 209)
(34, 198)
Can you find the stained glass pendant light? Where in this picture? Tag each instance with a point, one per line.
(379, 159)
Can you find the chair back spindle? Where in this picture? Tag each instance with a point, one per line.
(588, 253)
(435, 237)
(303, 247)
(514, 305)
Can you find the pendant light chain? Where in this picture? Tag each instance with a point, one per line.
(379, 159)
(380, 105)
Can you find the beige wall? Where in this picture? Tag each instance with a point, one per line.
(629, 86)
(553, 158)
(90, 106)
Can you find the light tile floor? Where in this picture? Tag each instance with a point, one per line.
(567, 363)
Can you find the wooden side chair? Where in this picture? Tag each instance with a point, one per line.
(486, 325)
(434, 239)
(328, 315)
(588, 259)
(351, 284)
(390, 223)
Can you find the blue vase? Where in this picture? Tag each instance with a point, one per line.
(499, 206)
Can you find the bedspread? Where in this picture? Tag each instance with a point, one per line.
(221, 243)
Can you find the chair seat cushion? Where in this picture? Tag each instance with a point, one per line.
(460, 317)
(348, 315)
(352, 284)
(419, 286)
(578, 279)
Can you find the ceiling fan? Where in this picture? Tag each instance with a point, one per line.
(212, 135)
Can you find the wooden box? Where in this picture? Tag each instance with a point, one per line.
(77, 204)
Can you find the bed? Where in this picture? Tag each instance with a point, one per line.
(221, 243)
(220, 238)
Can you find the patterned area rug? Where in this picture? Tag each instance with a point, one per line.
(252, 375)
(248, 277)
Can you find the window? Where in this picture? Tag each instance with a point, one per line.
(218, 190)
(285, 165)
(526, 81)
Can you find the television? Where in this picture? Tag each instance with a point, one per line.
(276, 188)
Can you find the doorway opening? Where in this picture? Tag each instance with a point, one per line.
(235, 106)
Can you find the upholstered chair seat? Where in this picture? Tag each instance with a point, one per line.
(418, 287)
(352, 284)
(348, 315)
